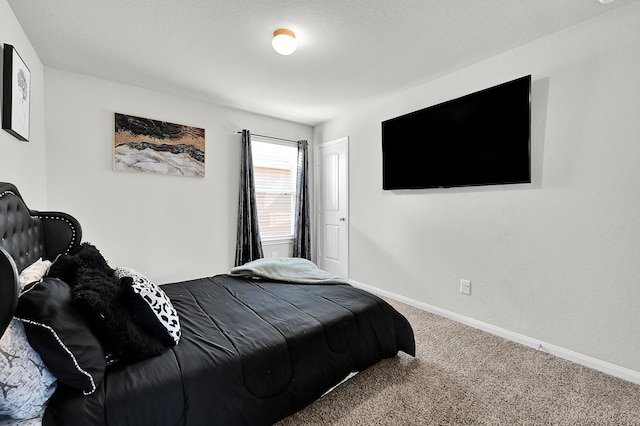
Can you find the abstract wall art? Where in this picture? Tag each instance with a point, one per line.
(154, 146)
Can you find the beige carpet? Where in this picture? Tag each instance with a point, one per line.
(464, 376)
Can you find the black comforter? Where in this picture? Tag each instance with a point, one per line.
(252, 352)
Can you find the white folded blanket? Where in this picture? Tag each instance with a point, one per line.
(292, 269)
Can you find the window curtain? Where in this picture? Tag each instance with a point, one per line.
(302, 225)
(248, 244)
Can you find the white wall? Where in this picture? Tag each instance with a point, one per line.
(23, 163)
(557, 260)
(170, 228)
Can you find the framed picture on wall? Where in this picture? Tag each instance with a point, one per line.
(16, 96)
(155, 146)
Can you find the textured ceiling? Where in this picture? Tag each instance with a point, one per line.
(350, 51)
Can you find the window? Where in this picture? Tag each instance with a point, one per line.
(275, 172)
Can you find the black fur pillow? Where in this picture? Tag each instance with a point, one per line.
(88, 256)
(102, 302)
(99, 296)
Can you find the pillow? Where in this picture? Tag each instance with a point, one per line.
(150, 306)
(34, 272)
(101, 301)
(87, 256)
(60, 335)
(100, 298)
(25, 382)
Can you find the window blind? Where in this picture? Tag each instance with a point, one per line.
(274, 169)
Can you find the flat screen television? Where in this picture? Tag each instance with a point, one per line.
(479, 139)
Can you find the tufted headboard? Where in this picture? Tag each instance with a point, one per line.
(26, 236)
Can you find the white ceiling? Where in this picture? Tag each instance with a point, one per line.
(350, 51)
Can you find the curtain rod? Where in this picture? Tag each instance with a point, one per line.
(239, 132)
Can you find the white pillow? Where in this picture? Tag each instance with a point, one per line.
(26, 384)
(34, 272)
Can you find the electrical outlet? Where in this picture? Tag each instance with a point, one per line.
(465, 287)
(274, 254)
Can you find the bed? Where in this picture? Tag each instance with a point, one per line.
(248, 351)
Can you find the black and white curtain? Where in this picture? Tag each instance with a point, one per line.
(302, 225)
(248, 244)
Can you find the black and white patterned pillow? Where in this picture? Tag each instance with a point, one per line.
(150, 306)
(25, 382)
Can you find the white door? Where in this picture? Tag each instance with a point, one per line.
(333, 207)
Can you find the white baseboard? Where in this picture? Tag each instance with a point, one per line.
(594, 363)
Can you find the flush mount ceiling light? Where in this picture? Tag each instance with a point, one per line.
(284, 41)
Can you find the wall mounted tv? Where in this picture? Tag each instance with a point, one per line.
(479, 139)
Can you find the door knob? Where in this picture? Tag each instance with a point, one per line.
(342, 219)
